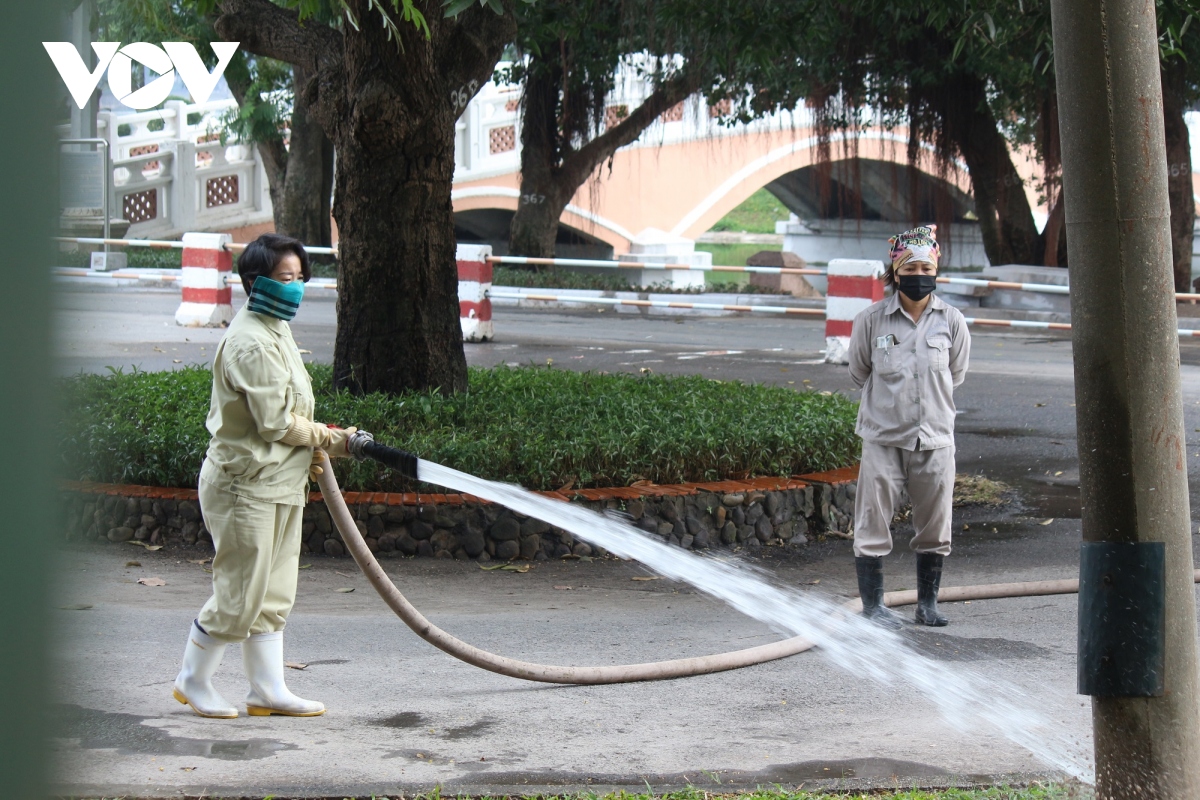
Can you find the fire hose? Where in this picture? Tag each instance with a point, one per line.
(362, 445)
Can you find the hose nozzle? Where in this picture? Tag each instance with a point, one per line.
(362, 445)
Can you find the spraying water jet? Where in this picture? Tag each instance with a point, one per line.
(845, 638)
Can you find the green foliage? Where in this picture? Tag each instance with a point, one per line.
(266, 90)
(758, 213)
(140, 257)
(611, 281)
(616, 282)
(263, 85)
(539, 427)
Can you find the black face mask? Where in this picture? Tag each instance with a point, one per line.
(917, 287)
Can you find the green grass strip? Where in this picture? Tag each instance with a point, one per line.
(539, 427)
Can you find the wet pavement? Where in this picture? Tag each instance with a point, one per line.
(404, 717)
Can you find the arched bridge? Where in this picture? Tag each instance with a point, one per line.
(687, 171)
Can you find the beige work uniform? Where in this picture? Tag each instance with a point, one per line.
(908, 372)
(252, 487)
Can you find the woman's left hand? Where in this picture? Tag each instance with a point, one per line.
(314, 469)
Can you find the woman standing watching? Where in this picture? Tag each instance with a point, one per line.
(253, 487)
(908, 353)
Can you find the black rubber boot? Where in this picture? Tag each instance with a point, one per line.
(870, 589)
(929, 577)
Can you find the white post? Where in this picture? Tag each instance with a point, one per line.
(474, 283)
(854, 284)
(207, 266)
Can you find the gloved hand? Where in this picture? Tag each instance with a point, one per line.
(304, 433)
(337, 441)
(314, 469)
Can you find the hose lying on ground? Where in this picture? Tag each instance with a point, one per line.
(625, 673)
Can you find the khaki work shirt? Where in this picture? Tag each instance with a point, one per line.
(908, 379)
(258, 381)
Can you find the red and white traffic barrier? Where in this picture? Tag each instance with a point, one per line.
(525, 297)
(474, 283)
(854, 284)
(207, 265)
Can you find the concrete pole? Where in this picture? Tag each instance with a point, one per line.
(1132, 457)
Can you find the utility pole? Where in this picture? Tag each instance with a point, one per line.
(1137, 602)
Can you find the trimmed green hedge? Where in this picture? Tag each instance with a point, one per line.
(539, 427)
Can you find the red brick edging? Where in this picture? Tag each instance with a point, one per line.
(831, 477)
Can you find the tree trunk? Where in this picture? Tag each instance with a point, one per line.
(1179, 175)
(397, 304)
(307, 184)
(1053, 234)
(534, 226)
(552, 171)
(385, 105)
(1010, 235)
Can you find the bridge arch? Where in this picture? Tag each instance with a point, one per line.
(486, 217)
(683, 185)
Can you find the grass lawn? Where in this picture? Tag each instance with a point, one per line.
(757, 214)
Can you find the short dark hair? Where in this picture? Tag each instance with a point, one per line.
(264, 254)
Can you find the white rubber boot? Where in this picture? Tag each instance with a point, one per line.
(193, 685)
(262, 655)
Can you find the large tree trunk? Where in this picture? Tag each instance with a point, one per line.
(1179, 175)
(552, 171)
(534, 226)
(1010, 235)
(308, 180)
(384, 104)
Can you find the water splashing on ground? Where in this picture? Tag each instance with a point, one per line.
(846, 640)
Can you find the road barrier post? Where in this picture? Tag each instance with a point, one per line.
(854, 284)
(207, 264)
(474, 283)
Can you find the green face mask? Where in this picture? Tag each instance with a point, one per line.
(275, 299)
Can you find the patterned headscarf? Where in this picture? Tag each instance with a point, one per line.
(918, 244)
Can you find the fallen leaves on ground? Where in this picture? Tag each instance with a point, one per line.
(200, 561)
(1046, 521)
(563, 588)
(76, 607)
(133, 563)
(295, 665)
(645, 578)
(506, 567)
(305, 566)
(146, 545)
(152, 582)
(344, 575)
(345, 590)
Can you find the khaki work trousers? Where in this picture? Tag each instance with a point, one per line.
(255, 567)
(884, 473)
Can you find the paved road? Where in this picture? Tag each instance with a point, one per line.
(404, 716)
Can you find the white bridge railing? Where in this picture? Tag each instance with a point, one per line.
(171, 173)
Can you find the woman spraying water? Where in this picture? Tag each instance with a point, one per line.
(253, 487)
(908, 353)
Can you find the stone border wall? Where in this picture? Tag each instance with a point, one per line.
(748, 514)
